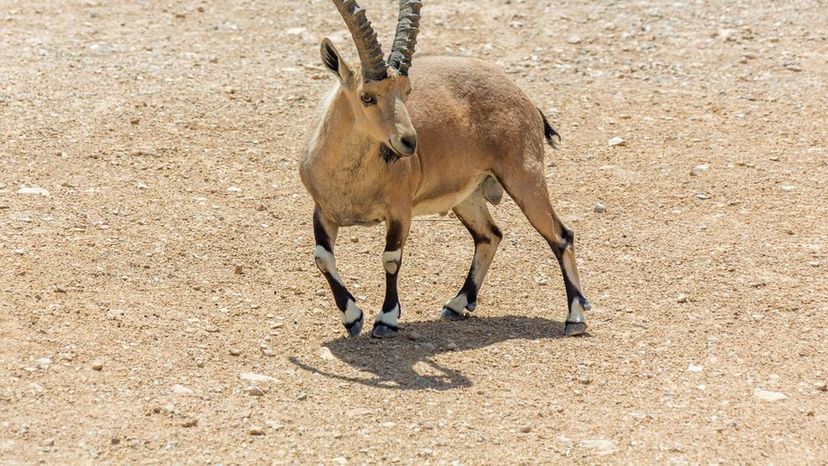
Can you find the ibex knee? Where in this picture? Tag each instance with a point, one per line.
(325, 260)
(391, 261)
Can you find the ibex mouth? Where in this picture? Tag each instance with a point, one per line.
(388, 154)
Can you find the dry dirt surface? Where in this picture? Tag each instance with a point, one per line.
(158, 297)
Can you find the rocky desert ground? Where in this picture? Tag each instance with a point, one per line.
(159, 301)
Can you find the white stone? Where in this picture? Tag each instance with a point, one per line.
(43, 363)
(699, 169)
(694, 368)
(325, 353)
(617, 141)
(601, 446)
(179, 389)
(34, 190)
(113, 314)
(253, 377)
(768, 395)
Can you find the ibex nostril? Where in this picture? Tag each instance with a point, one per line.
(409, 142)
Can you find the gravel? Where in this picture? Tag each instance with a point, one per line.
(116, 92)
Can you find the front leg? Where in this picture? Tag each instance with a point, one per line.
(396, 232)
(324, 231)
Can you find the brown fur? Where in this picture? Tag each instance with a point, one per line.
(473, 126)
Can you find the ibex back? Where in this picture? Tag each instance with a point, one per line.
(451, 135)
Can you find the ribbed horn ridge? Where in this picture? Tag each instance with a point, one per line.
(365, 39)
(408, 26)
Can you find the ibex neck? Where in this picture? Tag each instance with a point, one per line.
(338, 137)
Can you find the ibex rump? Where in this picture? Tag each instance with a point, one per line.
(449, 136)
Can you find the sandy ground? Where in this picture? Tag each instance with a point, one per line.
(172, 256)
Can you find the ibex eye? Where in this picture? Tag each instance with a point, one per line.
(368, 99)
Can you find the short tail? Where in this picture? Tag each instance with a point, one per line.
(552, 136)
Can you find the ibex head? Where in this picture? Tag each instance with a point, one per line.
(376, 90)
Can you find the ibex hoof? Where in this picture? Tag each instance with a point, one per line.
(451, 314)
(575, 328)
(355, 327)
(384, 330)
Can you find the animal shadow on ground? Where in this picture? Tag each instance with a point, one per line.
(393, 363)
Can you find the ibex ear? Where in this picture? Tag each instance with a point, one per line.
(334, 62)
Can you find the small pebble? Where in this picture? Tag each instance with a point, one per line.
(179, 389)
(238, 270)
(768, 395)
(97, 365)
(354, 239)
(254, 391)
(234, 352)
(699, 169)
(600, 208)
(451, 346)
(256, 378)
(526, 429)
(302, 397)
(33, 190)
(190, 422)
(617, 141)
(821, 386)
(325, 353)
(256, 430)
(43, 363)
(600, 446)
(682, 298)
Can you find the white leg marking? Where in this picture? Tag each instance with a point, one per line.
(576, 311)
(391, 317)
(351, 314)
(458, 303)
(391, 260)
(326, 262)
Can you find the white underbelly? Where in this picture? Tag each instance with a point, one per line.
(444, 203)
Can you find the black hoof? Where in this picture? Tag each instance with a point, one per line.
(384, 330)
(451, 314)
(575, 328)
(355, 327)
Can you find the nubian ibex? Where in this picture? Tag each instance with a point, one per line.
(393, 142)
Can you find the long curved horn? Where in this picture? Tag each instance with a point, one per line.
(408, 26)
(365, 39)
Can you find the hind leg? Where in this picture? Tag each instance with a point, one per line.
(474, 214)
(528, 189)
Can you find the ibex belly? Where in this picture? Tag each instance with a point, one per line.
(442, 198)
